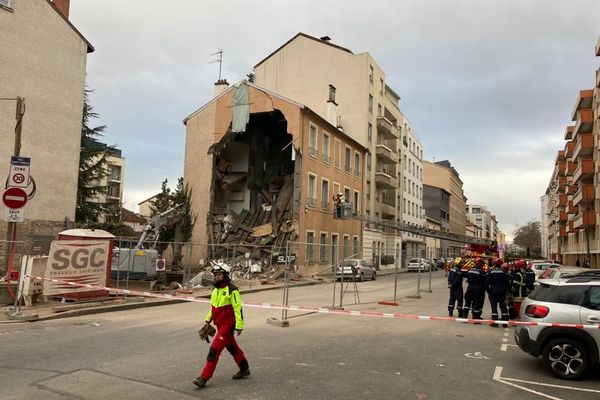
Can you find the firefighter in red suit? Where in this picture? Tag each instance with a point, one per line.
(226, 313)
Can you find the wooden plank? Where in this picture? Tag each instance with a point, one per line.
(262, 230)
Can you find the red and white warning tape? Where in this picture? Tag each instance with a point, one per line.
(322, 310)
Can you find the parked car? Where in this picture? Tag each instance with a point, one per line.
(540, 267)
(561, 272)
(417, 264)
(568, 353)
(357, 269)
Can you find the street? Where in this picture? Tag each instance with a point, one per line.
(154, 353)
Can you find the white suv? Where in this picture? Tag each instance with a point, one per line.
(568, 353)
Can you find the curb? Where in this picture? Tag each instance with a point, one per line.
(132, 306)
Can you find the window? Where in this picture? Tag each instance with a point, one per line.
(311, 201)
(5, 3)
(310, 240)
(379, 110)
(337, 150)
(558, 294)
(370, 103)
(312, 141)
(356, 203)
(357, 164)
(348, 159)
(336, 188)
(334, 248)
(346, 246)
(370, 132)
(325, 194)
(355, 249)
(405, 162)
(381, 85)
(347, 195)
(368, 162)
(371, 73)
(323, 247)
(404, 185)
(326, 158)
(594, 294)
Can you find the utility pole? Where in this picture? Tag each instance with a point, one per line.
(19, 113)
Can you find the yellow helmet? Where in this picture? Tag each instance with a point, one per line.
(457, 261)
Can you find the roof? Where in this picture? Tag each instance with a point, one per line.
(90, 48)
(148, 199)
(300, 34)
(130, 216)
(87, 233)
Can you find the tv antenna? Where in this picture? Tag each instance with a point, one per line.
(219, 60)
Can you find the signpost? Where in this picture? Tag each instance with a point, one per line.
(14, 197)
(19, 172)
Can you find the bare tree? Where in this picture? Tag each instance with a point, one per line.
(528, 237)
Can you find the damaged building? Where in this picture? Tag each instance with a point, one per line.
(263, 170)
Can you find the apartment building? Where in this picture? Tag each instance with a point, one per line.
(574, 188)
(275, 172)
(114, 183)
(544, 225)
(443, 175)
(53, 89)
(436, 203)
(479, 215)
(302, 69)
(412, 187)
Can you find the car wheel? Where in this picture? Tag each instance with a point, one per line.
(362, 277)
(566, 358)
(374, 276)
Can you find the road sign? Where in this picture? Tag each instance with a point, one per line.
(14, 198)
(19, 176)
(161, 264)
(12, 215)
(22, 161)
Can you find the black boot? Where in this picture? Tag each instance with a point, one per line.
(451, 312)
(241, 374)
(199, 382)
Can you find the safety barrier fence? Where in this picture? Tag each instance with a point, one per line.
(324, 310)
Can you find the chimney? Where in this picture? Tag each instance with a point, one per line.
(63, 7)
(220, 86)
(326, 39)
(332, 111)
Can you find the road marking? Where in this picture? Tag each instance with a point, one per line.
(505, 334)
(504, 340)
(504, 347)
(303, 364)
(498, 378)
(477, 355)
(271, 358)
(551, 385)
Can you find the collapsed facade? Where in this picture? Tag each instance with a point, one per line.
(263, 170)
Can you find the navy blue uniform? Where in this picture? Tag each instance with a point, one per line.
(529, 280)
(455, 279)
(496, 284)
(475, 293)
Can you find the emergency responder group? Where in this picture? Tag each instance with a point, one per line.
(506, 285)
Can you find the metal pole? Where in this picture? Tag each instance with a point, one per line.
(430, 268)
(128, 266)
(397, 261)
(286, 285)
(119, 253)
(334, 258)
(21, 284)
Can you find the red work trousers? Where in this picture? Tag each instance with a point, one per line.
(224, 339)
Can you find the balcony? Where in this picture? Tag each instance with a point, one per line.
(570, 189)
(571, 167)
(560, 156)
(569, 147)
(385, 154)
(388, 211)
(584, 101)
(569, 227)
(562, 232)
(585, 122)
(561, 167)
(586, 194)
(584, 146)
(569, 132)
(562, 216)
(584, 219)
(385, 181)
(598, 48)
(598, 77)
(562, 200)
(571, 208)
(584, 170)
(386, 127)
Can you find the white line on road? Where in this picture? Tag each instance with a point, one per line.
(505, 346)
(504, 340)
(551, 385)
(505, 334)
(498, 378)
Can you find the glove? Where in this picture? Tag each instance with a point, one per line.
(238, 331)
(206, 331)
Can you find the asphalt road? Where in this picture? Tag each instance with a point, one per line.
(154, 353)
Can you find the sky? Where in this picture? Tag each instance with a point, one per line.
(487, 84)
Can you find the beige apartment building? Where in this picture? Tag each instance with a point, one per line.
(43, 60)
(114, 182)
(574, 190)
(443, 175)
(368, 111)
(272, 178)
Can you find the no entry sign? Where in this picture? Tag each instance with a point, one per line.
(14, 198)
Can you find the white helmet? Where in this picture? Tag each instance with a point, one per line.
(221, 267)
